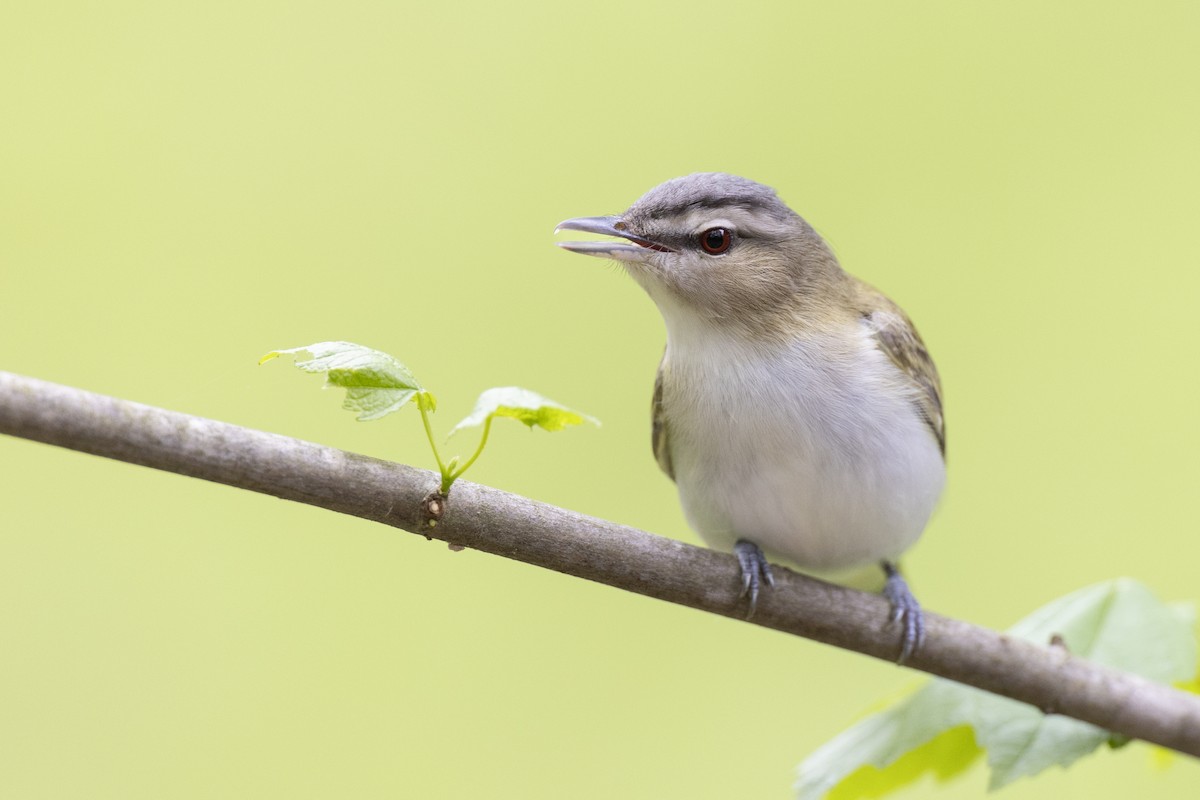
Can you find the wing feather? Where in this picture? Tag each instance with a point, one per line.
(898, 338)
(658, 424)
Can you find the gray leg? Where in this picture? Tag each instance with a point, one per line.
(754, 569)
(905, 610)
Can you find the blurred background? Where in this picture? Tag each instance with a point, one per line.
(185, 186)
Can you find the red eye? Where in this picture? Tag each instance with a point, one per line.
(716, 240)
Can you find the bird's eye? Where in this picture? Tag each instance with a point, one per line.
(716, 240)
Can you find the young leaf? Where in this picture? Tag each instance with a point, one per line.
(523, 405)
(1118, 623)
(376, 384)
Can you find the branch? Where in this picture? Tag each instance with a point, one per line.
(516, 527)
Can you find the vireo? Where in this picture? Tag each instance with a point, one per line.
(796, 407)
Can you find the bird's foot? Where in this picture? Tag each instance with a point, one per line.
(755, 570)
(905, 610)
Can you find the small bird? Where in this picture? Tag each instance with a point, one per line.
(795, 407)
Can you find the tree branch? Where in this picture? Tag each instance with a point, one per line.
(516, 527)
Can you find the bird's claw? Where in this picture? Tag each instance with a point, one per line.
(906, 611)
(755, 569)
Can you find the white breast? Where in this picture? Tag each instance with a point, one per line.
(815, 450)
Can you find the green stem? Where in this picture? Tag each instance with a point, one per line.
(446, 479)
(487, 427)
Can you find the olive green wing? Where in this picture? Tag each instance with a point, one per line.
(658, 424)
(896, 336)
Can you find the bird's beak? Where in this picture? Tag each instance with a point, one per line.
(639, 249)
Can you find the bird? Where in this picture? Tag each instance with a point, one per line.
(796, 407)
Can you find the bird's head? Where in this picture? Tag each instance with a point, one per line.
(716, 247)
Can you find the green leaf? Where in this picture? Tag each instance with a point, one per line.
(1118, 623)
(946, 755)
(523, 405)
(376, 384)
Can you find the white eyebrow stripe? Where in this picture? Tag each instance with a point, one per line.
(719, 222)
(740, 220)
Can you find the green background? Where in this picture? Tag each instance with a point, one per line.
(187, 185)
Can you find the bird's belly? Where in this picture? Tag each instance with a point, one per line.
(828, 476)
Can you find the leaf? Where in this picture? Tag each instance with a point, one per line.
(376, 384)
(948, 754)
(524, 406)
(1118, 623)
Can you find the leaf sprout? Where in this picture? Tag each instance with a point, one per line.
(377, 384)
